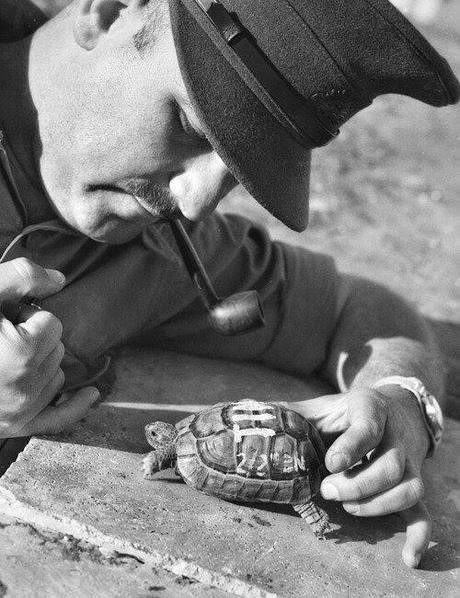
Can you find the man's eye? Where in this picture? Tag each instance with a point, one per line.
(189, 130)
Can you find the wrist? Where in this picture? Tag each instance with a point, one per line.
(404, 402)
(428, 407)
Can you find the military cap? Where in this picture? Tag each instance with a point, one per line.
(272, 79)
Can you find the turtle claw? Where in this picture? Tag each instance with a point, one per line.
(156, 460)
(150, 465)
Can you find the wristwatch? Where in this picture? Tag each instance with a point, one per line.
(431, 411)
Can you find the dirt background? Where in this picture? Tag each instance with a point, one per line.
(384, 200)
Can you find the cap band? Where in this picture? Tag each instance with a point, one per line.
(297, 112)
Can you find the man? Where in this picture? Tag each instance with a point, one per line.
(118, 116)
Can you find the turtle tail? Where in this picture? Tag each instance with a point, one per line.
(315, 516)
(162, 438)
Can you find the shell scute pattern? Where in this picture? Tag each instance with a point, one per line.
(186, 444)
(288, 491)
(245, 451)
(302, 490)
(295, 425)
(201, 478)
(217, 451)
(254, 490)
(282, 465)
(189, 467)
(265, 445)
(215, 481)
(231, 489)
(208, 422)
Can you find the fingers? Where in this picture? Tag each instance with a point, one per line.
(42, 331)
(21, 277)
(382, 473)
(367, 414)
(418, 534)
(24, 347)
(398, 498)
(329, 413)
(27, 410)
(52, 362)
(50, 391)
(55, 419)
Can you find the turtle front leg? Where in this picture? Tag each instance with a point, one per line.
(160, 458)
(315, 516)
(161, 436)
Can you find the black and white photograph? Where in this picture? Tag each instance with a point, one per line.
(229, 298)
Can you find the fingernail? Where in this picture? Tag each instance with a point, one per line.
(351, 507)
(329, 491)
(338, 461)
(56, 276)
(412, 560)
(61, 399)
(94, 395)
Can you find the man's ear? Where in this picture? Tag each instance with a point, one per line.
(95, 17)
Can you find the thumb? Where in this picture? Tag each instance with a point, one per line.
(21, 277)
(367, 414)
(71, 408)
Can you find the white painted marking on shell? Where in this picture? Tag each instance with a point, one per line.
(239, 433)
(253, 417)
(263, 411)
(251, 405)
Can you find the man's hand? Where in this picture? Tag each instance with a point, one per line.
(387, 426)
(30, 356)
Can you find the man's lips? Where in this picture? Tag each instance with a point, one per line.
(154, 208)
(153, 197)
(147, 207)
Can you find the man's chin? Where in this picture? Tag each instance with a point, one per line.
(113, 232)
(116, 236)
(111, 228)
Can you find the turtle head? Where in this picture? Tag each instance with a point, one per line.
(160, 434)
(161, 437)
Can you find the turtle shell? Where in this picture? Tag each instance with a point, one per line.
(251, 451)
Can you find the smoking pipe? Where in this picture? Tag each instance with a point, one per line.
(236, 314)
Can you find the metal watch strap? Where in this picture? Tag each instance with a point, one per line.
(429, 406)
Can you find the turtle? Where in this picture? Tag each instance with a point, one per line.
(245, 451)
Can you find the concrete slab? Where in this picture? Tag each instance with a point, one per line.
(88, 485)
(42, 564)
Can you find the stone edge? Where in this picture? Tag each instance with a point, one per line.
(110, 546)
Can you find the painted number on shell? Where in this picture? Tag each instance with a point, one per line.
(255, 464)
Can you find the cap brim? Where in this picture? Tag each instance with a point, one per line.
(262, 155)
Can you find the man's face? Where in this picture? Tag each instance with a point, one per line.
(122, 147)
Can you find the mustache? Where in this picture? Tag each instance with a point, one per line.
(153, 197)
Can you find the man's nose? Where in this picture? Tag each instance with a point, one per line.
(198, 188)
